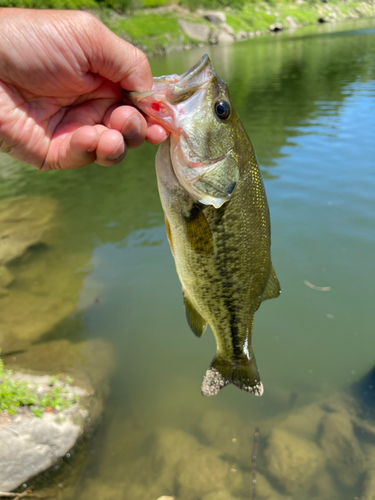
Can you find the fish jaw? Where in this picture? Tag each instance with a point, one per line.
(172, 95)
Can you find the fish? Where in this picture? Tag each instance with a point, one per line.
(216, 216)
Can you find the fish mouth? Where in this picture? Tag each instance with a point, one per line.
(169, 91)
(196, 70)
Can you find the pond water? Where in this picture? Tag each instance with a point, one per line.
(307, 100)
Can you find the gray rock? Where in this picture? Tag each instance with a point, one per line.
(31, 445)
(228, 29)
(276, 27)
(196, 31)
(224, 37)
(293, 462)
(292, 25)
(215, 17)
(241, 35)
(341, 448)
(214, 35)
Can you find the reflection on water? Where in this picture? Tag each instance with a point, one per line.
(307, 101)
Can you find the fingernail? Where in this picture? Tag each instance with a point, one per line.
(118, 152)
(132, 127)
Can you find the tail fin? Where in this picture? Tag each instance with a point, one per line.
(243, 374)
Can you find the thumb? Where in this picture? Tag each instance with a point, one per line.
(117, 60)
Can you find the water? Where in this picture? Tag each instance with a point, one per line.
(307, 101)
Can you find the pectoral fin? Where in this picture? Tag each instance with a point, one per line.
(272, 289)
(169, 234)
(194, 319)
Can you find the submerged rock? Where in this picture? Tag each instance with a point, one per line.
(292, 461)
(23, 223)
(369, 487)
(40, 279)
(341, 448)
(305, 421)
(195, 469)
(219, 495)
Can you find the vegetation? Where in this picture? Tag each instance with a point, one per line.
(15, 394)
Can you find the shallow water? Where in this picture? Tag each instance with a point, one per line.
(307, 100)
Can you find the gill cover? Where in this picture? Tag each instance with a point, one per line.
(197, 110)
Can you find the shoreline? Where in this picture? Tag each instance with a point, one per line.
(171, 28)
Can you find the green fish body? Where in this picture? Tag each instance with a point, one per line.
(217, 218)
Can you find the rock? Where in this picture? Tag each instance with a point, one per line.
(304, 422)
(264, 490)
(47, 285)
(6, 277)
(292, 25)
(23, 222)
(369, 486)
(228, 29)
(224, 37)
(323, 19)
(214, 36)
(228, 434)
(341, 448)
(219, 495)
(215, 17)
(30, 445)
(196, 31)
(364, 393)
(276, 27)
(292, 461)
(196, 470)
(240, 35)
(325, 487)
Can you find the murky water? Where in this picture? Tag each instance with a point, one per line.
(307, 101)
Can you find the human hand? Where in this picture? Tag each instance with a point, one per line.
(61, 79)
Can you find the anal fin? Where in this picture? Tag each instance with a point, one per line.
(272, 289)
(194, 319)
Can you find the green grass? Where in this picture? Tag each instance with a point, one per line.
(153, 32)
(15, 394)
(237, 23)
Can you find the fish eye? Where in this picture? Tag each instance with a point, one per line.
(222, 109)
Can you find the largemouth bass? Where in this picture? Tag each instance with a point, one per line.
(216, 215)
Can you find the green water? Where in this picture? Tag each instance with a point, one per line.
(307, 101)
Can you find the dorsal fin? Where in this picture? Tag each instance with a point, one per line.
(194, 319)
(272, 289)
